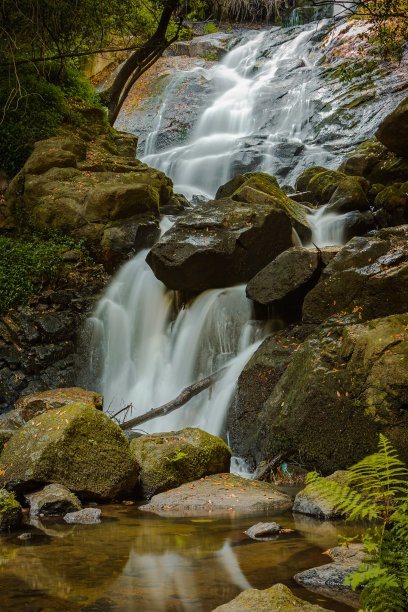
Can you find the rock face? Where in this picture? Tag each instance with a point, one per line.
(53, 500)
(275, 599)
(227, 241)
(307, 502)
(39, 343)
(285, 281)
(11, 514)
(78, 447)
(393, 131)
(220, 493)
(90, 186)
(329, 579)
(369, 275)
(344, 385)
(170, 459)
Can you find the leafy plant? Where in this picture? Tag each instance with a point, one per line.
(210, 28)
(377, 492)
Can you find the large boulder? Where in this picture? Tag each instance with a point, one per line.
(169, 459)
(285, 281)
(226, 190)
(90, 187)
(361, 161)
(322, 183)
(220, 493)
(344, 385)
(368, 275)
(393, 131)
(350, 194)
(76, 446)
(277, 598)
(309, 502)
(391, 204)
(52, 500)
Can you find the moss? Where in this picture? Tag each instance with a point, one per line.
(324, 184)
(10, 511)
(303, 180)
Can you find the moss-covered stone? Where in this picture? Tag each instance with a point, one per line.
(226, 190)
(324, 184)
(278, 598)
(303, 180)
(78, 447)
(350, 194)
(10, 511)
(392, 205)
(367, 155)
(53, 500)
(393, 131)
(170, 459)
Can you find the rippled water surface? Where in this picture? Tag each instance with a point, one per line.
(139, 561)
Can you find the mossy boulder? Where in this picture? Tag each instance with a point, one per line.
(275, 599)
(393, 131)
(53, 500)
(226, 190)
(76, 446)
(170, 459)
(361, 161)
(391, 205)
(304, 179)
(369, 276)
(309, 502)
(347, 383)
(350, 194)
(11, 514)
(324, 184)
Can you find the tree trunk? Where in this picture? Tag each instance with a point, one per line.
(140, 61)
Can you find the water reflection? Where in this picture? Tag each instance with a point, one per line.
(139, 561)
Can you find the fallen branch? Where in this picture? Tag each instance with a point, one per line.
(261, 475)
(179, 401)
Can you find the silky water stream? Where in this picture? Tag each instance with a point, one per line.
(145, 348)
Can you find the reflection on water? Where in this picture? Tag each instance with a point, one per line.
(139, 561)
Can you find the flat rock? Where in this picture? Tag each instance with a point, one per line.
(220, 493)
(53, 500)
(87, 516)
(329, 579)
(275, 599)
(308, 502)
(261, 531)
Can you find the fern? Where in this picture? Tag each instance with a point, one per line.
(377, 492)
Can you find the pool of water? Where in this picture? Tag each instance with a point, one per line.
(139, 561)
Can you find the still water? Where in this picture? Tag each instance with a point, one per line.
(138, 561)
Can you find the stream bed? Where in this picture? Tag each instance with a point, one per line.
(140, 561)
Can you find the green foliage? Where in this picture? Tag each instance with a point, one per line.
(210, 28)
(377, 492)
(177, 456)
(27, 265)
(211, 56)
(8, 502)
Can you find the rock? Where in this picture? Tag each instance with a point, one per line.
(53, 500)
(32, 405)
(76, 446)
(357, 223)
(393, 131)
(11, 514)
(276, 598)
(308, 502)
(220, 243)
(255, 384)
(302, 196)
(170, 459)
(349, 195)
(303, 180)
(209, 46)
(260, 531)
(345, 384)
(226, 190)
(220, 493)
(392, 169)
(392, 205)
(87, 516)
(329, 579)
(368, 274)
(119, 239)
(126, 144)
(285, 281)
(324, 184)
(367, 155)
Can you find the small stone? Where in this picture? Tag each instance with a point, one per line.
(24, 536)
(261, 531)
(87, 516)
(53, 500)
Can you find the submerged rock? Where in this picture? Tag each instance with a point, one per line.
(87, 516)
(11, 514)
(170, 459)
(53, 500)
(308, 502)
(329, 579)
(275, 599)
(219, 493)
(78, 447)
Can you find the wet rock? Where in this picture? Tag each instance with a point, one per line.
(260, 531)
(274, 599)
(393, 131)
(303, 180)
(53, 500)
(324, 184)
(362, 161)
(285, 281)
(392, 169)
(391, 204)
(226, 190)
(119, 239)
(11, 514)
(219, 493)
(220, 243)
(76, 446)
(209, 46)
(87, 516)
(329, 579)
(368, 274)
(357, 223)
(350, 194)
(255, 384)
(308, 502)
(344, 385)
(170, 459)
